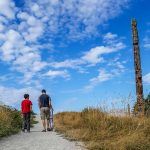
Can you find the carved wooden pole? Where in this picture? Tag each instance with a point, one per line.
(137, 65)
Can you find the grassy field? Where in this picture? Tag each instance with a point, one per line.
(11, 121)
(101, 131)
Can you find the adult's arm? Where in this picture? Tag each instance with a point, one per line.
(39, 103)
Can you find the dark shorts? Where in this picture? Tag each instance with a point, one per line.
(45, 113)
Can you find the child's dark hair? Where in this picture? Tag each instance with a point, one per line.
(26, 96)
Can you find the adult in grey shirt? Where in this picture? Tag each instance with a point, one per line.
(44, 106)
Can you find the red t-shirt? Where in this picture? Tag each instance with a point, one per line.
(26, 105)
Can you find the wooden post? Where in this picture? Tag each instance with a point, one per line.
(137, 65)
(129, 110)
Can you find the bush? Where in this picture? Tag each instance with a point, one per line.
(10, 121)
(146, 102)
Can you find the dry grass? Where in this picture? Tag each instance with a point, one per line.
(101, 131)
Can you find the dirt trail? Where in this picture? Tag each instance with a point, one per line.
(37, 140)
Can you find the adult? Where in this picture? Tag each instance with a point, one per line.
(44, 106)
(26, 108)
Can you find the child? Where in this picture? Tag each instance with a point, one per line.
(26, 107)
(51, 118)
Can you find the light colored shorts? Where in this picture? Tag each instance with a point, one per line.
(45, 113)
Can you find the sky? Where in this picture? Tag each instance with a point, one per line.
(79, 51)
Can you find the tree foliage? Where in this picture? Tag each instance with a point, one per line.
(146, 102)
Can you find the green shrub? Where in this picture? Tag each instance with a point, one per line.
(10, 121)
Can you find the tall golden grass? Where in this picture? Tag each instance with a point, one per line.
(10, 121)
(101, 131)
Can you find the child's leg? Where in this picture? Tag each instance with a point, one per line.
(51, 119)
(51, 123)
(24, 122)
(28, 121)
(47, 115)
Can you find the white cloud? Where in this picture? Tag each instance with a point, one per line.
(20, 41)
(146, 78)
(7, 8)
(3, 19)
(10, 38)
(57, 73)
(91, 57)
(11, 96)
(23, 15)
(69, 63)
(2, 27)
(110, 36)
(117, 65)
(114, 44)
(32, 21)
(102, 77)
(19, 45)
(94, 13)
(31, 27)
(35, 8)
(89, 15)
(24, 58)
(147, 41)
(94, 55)
(112, 69)
(7, 77)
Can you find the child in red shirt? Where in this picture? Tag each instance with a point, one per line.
(26, 107)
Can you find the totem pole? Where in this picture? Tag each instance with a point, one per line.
(137, 65)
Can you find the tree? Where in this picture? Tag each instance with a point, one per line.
(147, 106)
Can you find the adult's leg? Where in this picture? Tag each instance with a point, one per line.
(44, 124)
(28, 122)
(47, 113)
(48, 126)
(43, 118)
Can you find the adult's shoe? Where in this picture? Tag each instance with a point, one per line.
(48, 129)
(44, 130)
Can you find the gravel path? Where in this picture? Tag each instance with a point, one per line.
(37, 140)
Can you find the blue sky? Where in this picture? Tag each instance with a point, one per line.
(79, 51)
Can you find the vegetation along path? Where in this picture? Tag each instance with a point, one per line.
(37, 140)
